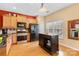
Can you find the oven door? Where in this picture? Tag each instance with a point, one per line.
(21, 36)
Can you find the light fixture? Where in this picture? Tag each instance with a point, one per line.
(9, 14)
(43, 9)
(14, 14)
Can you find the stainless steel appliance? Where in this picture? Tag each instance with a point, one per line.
(21, 31)
(33, 32)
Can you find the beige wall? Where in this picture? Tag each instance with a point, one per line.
(66, 14)
(70, 13)
(41, 24)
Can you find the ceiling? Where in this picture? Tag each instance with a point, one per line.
(33, 8)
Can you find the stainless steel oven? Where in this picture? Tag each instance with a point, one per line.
(21, 31)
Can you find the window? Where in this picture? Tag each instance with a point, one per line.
(56, 28)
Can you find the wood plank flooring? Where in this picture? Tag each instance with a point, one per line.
(68, 51)
(29, 49)
(33, 49)
(2, 51)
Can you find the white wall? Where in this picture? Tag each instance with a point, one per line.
(41, 24)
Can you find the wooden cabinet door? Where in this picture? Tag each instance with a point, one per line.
(13, 22)
(33, 21)
(9, 42)
(21, 18)
(6, 21)
(1, 22)
(24, 19)
(14, 38)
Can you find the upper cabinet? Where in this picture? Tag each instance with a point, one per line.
(8, 21)
(21, 18)
(13, 21)
(32, 20)
(1, 22)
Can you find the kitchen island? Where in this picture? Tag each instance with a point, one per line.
(49, 43)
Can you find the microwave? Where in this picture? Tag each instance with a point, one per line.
(21, 25)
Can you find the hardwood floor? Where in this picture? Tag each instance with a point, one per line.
(2, 51)
(68, 51)
(33, 49)
(69, 47)
(29, 49)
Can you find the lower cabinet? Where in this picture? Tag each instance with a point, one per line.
(3, 51)
(9, 43)
(11, 39)
(14, 39)
(49, 43)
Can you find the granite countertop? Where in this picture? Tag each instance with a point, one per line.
(4, 36)
(49, 34)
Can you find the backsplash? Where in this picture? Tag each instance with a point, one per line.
(0, 32)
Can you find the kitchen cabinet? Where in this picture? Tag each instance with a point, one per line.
(33, 21)
(49, 43)
(14, 38)
(24, 18)
(6, 21)
(1, 22)
(13, 22)
(28, 37)
(21, 18)
(9, 43)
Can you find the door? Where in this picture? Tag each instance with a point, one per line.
(21, 18)
(14, 37)
(1, 22)
(13, 22)
(9, 43)
(6, 21)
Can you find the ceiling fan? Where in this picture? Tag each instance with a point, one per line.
(43, 8)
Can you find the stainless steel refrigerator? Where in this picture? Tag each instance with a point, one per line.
(33, 30)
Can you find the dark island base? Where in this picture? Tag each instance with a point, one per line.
(49, 43)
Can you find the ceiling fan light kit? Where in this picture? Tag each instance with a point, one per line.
(43, 9)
